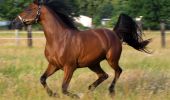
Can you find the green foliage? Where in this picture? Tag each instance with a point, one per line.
(113, 20)
(97, 9)
(74, 7)
(158, 10)
(88, 7)
(152, 10)
(106, 10)
(10, 8)
(97, 20)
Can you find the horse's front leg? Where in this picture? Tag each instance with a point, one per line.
(68, 73)
(49, 71)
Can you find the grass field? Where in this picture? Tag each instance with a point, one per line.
(145, 77)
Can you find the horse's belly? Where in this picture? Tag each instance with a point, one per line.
(90, 60)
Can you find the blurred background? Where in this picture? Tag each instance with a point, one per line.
(145, 76)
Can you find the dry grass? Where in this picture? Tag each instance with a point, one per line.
(145, 77)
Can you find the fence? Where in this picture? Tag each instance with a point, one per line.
(17, 38)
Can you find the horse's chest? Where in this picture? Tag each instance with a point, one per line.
(51, 56)
(59, 56)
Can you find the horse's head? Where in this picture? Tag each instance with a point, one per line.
(29, 16)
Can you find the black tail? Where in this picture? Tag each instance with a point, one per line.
(127, 30)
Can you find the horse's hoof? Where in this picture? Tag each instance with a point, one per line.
(91, 88)
(51, 94)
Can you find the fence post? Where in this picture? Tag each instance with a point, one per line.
(29, 35)
(163, 41)
(17, 36)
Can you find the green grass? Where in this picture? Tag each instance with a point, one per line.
(145, 77)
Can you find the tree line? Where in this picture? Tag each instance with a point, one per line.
(153, 11)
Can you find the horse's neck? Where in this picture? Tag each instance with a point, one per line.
(54, 28)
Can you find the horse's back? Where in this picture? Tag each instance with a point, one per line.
(103, 36)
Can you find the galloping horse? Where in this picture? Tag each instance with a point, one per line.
(68, 48)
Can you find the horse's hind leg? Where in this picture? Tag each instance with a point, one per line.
(101, 76)
(118, 71)
(49, 71)
(113, 60)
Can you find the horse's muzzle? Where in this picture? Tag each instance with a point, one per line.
(17, 24)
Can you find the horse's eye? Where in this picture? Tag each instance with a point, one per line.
(28, 9)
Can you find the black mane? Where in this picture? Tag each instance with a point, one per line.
(63, 10)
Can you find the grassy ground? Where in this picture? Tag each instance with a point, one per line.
(145, 77)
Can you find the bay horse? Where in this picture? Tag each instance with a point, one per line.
(67, 48)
